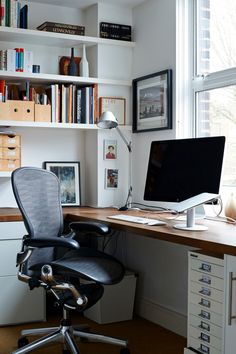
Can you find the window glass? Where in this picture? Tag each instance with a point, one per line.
(216, 115)
(216, 35)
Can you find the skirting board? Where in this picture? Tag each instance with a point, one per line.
(162, 316)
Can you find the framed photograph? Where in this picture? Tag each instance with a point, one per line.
(111, 178)
(152, 102)
(110, 149)
(68, 174)
(115, 105)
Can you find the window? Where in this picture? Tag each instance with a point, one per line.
(214, 78)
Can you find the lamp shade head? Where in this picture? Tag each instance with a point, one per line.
(107, 120)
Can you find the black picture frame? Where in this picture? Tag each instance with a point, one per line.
(68, 174)
(152, 102)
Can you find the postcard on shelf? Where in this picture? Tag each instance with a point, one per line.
(115, 105)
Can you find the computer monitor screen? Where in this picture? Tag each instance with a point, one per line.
(183, 168)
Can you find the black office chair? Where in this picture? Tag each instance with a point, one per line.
(37, 194)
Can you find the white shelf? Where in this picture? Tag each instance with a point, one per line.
(25, 124)
(49, 78)
(5, 174)
(8, 34)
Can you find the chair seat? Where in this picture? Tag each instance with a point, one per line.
(87, 263)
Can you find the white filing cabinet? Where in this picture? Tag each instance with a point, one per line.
(17, 303)
(211, 304)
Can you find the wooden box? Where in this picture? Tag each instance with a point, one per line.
(17, 110)
(42, 113)
(9, 164)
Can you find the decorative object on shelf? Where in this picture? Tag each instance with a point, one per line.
(110, 149)
(69, 177)
(62, 28)
(111, 179)
(64, 65)
(115, 105)
(115, 31)
(230, 207)
(84, 67)
(36, 69)
(72, 67)
(109, 121)
(152, 102)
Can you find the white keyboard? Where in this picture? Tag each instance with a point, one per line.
(137, 219)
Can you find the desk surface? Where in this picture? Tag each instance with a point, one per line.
(220, 237)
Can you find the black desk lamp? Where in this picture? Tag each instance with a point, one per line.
(109, 121)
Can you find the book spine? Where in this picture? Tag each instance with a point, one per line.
(91, 110)
(95, 103)
(2, 89)
(78, 114)
(24, 17)
(61, 25)
(63, 30)
(7, 13)
(83, 105)
(11, 60)
(2, 13)
(87, 107)
(28, 61)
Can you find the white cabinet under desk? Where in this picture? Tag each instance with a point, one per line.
(211, 304)
(18, 303)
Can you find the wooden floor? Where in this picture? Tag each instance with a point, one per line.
(144, 337)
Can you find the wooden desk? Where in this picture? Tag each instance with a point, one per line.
(220, 237)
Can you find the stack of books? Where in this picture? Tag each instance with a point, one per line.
(61, 28)
(115, 31)
(12, 14)
(17, 59)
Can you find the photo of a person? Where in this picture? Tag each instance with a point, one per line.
(111, 178)
(110, 149)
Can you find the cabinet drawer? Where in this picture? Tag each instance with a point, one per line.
(207, 279)
(202, 347)
(206, 303)
(10, 140)
(10, 153)
(206, 267)
(206, 291)
(8, 251)
(188, 351)
(205, 326)
(12, 230)
(205, 338)
(205, 314)
(9, 164)
(19, 304)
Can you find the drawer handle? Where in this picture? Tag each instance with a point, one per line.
(15, 109)
(205, 279)
(28, 110)
(204, 337)
(205, 326)
(230, 316)
(204, 349)
(205, 314)
(206, 267)
(205, 291)
(205, 303)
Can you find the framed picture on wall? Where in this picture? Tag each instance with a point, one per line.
(152, 102)
(111, 178)
(115, 105)
(110, 149)
(68, 174)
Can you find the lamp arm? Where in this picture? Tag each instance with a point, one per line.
(127, 143)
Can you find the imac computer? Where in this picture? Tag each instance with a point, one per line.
(185, 172)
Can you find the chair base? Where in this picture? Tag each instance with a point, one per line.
(65, 334)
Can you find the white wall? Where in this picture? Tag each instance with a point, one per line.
(162, 266)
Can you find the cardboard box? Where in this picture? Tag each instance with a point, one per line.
(117, 302)
(17, 110)
(42, 113)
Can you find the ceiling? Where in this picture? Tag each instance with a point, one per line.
(85, 3)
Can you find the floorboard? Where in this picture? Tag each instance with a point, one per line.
(144, 337)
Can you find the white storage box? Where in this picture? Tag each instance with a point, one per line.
(117, 302)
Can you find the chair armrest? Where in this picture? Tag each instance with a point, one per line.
(99, 228)
(51, 242)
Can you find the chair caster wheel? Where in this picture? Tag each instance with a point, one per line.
(22, 342)
(124, 351)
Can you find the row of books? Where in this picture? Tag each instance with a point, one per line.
(17, 59)
(74, 104)
(12, 14)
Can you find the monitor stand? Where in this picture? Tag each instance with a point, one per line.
(190, 223)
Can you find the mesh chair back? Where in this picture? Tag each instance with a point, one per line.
(37, 193)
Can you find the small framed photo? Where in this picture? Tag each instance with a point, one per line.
(152, 102)
(110, 149)
(111, 178)
(68, 174)
(115, 105)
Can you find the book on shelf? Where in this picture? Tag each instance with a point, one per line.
(24, 17)
(62, 28)
(17, 59)
(11, 14)
(115, 31)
